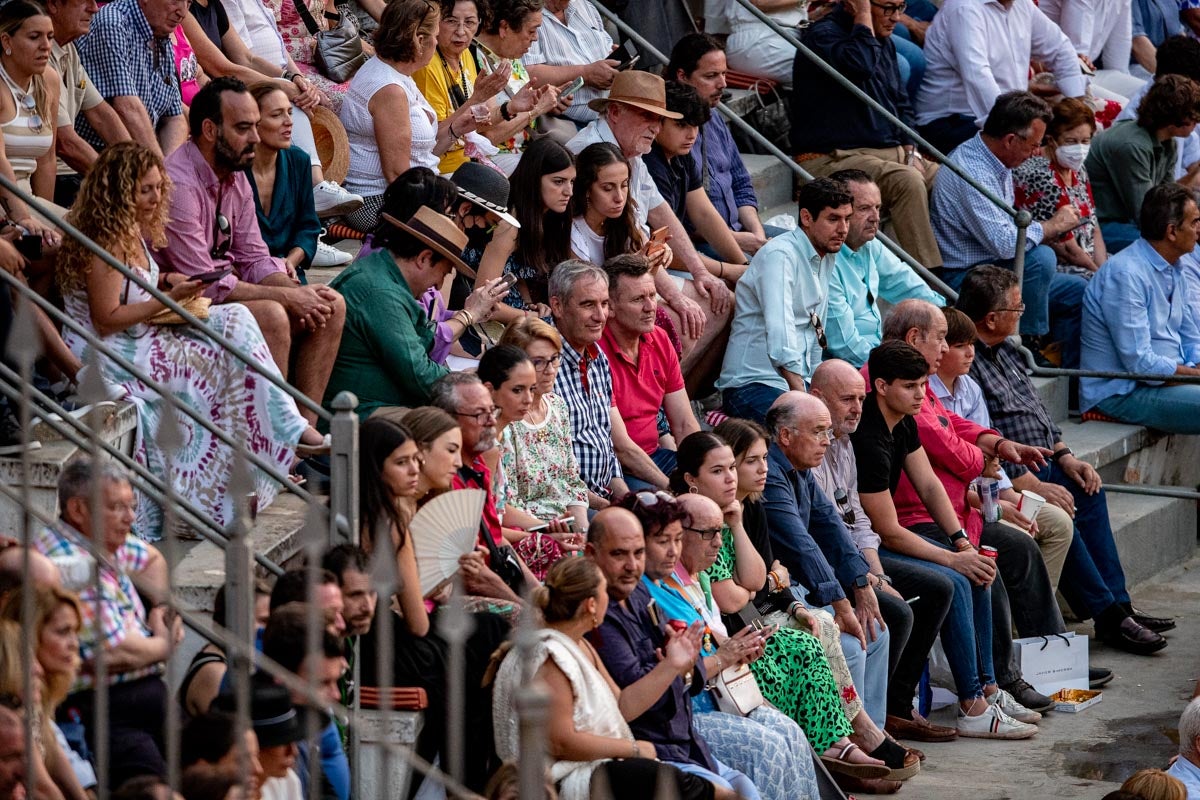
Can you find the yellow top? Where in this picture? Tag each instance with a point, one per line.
(434, 81)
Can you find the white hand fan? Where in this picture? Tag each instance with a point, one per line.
(443, 530)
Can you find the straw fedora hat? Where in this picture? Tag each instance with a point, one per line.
(333, 147)
(639, 89)
(437, 231)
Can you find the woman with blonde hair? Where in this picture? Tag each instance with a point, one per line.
(123, 206)
(1154, 784)
(586, 732)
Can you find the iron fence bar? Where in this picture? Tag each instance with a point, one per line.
(933, 280)
(25, 354)
(343, 470)
(169, 439)
(38, 205)
(313, 537)
(1153, 491)
(67, 425)
(98, 345)
(1063, 372)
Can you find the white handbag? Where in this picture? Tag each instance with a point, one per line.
(736, 691)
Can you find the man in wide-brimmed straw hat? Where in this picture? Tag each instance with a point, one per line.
(384, 357)
(630, 117)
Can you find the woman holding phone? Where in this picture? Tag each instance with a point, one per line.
(123, 204)
(604, 223)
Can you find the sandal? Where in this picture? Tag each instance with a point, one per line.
(310, 450)
(902, 764)
(841, 765)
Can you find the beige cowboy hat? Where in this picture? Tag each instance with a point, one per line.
(642, 90)
(333, 146)
(437, 231)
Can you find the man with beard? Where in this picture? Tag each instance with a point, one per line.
(778, 334)
(865, 273)
(214, 227)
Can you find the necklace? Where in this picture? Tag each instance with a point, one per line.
(23, 98)
(458, 92)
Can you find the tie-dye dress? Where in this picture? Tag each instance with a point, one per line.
(205, 378)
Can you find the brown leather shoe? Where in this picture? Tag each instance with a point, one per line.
(919, 729)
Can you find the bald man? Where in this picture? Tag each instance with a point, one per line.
(810, 539)
(913, 627)
(42, 571)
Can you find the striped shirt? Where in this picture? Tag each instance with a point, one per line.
(585, 382)
(119, 609)
(581, 40)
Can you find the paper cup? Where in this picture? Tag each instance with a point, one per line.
(1030, 504)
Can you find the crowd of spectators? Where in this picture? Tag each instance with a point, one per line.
(561, 257)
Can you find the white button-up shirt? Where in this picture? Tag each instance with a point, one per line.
(582, 40)
(1100, 29)
(977, 50)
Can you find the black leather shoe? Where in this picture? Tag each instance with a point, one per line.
(1132, 637)
(1099, 676)
(1156, 624)
(1027, 696)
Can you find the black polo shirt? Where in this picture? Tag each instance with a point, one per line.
(675, 178)
(880, 453)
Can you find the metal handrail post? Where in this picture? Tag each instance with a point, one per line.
(343, 470)
(1062, 372)
(1023, 221)
(762, 141)
(38, 205)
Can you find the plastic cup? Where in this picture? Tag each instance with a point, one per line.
(1030, 504)
(481, 113)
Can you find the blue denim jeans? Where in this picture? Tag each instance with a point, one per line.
(1092, 577)
(751, 401)
(967, 630)
(1119, 235)
(910, 58)
(1053, 299)
(1175, 409)
(664, 459)
(725, 777)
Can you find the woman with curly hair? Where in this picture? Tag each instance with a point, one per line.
(122, 205)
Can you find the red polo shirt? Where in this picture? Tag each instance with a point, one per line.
(639, 389)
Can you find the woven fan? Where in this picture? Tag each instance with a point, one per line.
(196, 305)
(443, 530)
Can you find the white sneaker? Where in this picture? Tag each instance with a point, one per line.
(332, 200)
(328, 256)
(993, 724)
(1009, 705)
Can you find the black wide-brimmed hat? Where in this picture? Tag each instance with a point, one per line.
(486, 188)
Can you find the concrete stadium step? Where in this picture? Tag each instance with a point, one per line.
(276, 535)
(1153, 534)
(773, 182)
(1134, 454)
(1053, 392)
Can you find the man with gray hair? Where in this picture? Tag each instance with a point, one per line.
(810, 539)
(971, 230)
(1187, 767)
(136, 641)
(579, 303)
(630, 117)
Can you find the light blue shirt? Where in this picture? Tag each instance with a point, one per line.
(860, 279)
(786, 283)
(969, 229)
(1134, 320)
(967, 401)
(1189, 774)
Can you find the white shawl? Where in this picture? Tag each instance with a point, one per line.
(595, 710)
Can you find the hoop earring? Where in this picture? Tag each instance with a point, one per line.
(693, 490)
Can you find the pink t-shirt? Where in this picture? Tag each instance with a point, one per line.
(639, 389)
(186, 65)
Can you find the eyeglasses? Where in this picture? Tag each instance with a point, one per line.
(843, 502)
(891, 9)
(707, 534)
(480, 417)
(221, 227)
(815, 321)
(468, 24)
(1018, 310)
(35, 119)
(543, 364)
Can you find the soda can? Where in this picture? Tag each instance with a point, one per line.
(988, 552)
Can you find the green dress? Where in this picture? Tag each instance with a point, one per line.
(792, 672)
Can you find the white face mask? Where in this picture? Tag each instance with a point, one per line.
(1071, 156)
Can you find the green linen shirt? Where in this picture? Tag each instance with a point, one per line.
(1125, 162)
(384, 354)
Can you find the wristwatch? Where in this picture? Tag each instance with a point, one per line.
(956, 537)
(1057, 454)
(862, 581)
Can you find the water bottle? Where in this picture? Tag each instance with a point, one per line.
(989, 493)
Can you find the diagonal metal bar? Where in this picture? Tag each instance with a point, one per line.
(137, 372)
(75, 431)
(934, 281)
(169, 439)
(46, 211)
